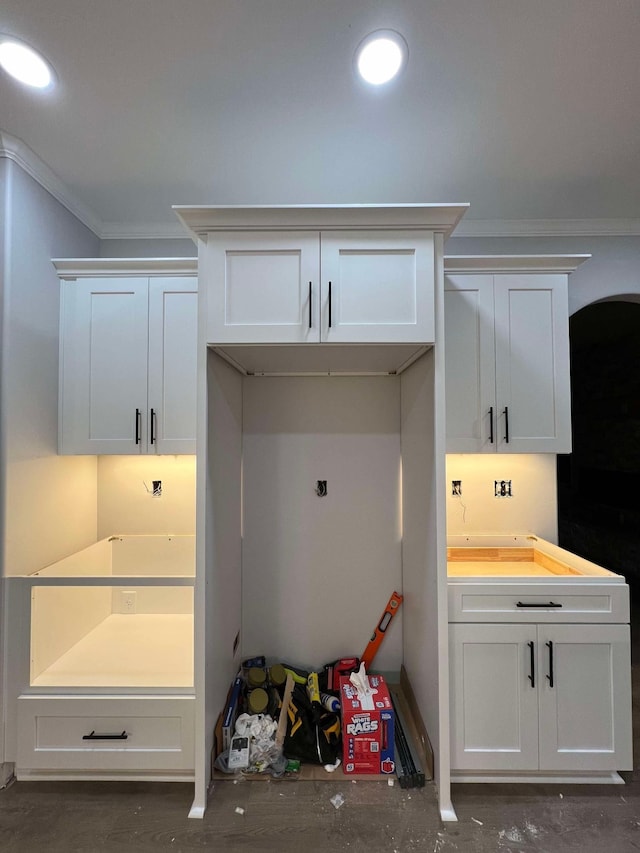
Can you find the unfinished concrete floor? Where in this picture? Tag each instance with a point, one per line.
(290, 816)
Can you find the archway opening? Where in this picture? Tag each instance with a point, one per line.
(599, 482)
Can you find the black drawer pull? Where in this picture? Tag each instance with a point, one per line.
(532, 664)
(550, 676)
(96, 736)
(537, 604)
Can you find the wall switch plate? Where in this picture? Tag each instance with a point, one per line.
(128, 601)
(502, 488)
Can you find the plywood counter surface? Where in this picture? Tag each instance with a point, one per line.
(507, 562)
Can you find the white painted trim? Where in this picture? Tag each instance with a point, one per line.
(202, 219)
(540, 777)
(16, 150)
(72, 268)
(548, 228)
(513, 263)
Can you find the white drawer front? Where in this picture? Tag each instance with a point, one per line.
(505, 602)
(110, 734)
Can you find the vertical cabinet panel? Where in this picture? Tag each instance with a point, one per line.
(532, 363)
(377, 287)
(494, 707)
(173, 332)
(267, 288)
(585, 698)
(470, 363)
(104, 365)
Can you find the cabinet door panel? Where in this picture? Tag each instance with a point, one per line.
(173, 336)
(104, 366)
(494, 706)
(265, 288)
(469, 364)
(585, 717)
(382, 287)
(532, 363)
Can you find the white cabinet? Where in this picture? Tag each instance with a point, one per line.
(507, 354)
(127, 358)
(291, 287)
(540, 697)
(104, 737)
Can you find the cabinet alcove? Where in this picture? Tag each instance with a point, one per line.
(282, 571)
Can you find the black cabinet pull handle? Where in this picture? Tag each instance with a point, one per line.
(309, 304)
(537, 604)
(506, 424)
(153, 425)
(95, 736)
(138, 418)
(329, 304)
(532, 664)
(550, 676)
(491, 424)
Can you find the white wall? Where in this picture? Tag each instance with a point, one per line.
(533, 508)
(613, 270)
(126, 505)
(317, 572)
(50, 506)
(146, 248)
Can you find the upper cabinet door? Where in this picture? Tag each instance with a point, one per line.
(377, 287)
(104, 366)
(173, 337)
(532, 363)
(470, 364)
(265, 287)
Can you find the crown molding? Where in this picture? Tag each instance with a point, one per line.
(14, 149)
(513, 263)
(202, 219)
(73, 268)
(547, 228)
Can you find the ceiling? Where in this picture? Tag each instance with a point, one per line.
(527, 109)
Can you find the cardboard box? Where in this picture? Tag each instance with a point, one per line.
(367, 728)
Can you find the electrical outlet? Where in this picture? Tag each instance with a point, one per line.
(456, 488)
(502, 488)
(128, 601)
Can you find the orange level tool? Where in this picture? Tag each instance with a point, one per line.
(390, 611)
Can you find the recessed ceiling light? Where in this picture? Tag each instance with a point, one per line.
(380, 56)
(24, 63)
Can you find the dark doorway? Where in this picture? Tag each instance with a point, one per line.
(599, 482)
